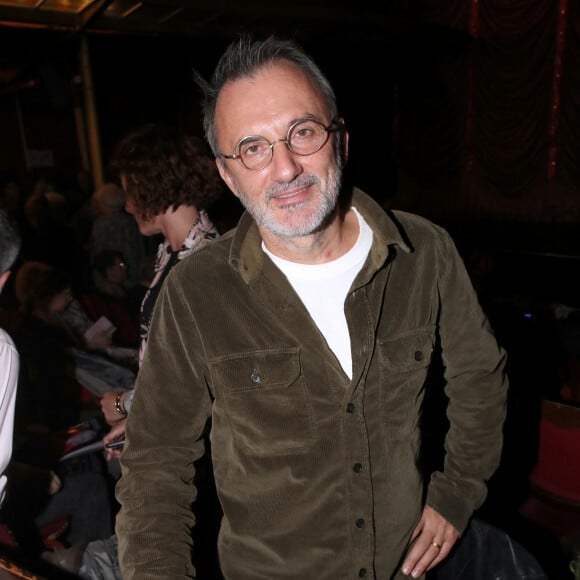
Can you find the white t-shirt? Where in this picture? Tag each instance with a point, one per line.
(323, 289)
(9, 365)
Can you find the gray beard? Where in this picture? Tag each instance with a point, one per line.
(325, 209)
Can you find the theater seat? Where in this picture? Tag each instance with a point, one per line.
(553, 502)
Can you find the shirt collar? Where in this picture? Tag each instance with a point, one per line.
(248, 258)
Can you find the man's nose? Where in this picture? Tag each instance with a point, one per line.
(286, 163)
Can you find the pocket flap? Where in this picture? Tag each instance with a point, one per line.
(411, 350)
(264, 369)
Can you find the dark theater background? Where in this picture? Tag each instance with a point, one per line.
(464, 111)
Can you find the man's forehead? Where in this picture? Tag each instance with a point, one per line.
(270, 79)
(277, 94)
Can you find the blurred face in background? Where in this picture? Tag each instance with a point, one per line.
(60, 302)
(117, 272)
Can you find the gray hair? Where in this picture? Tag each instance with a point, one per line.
(243, 59)
(9, 242)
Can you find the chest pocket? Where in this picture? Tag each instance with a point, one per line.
(266, 398)
(405, 361)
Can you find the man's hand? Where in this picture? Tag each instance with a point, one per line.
(432, 540)
(118, 430)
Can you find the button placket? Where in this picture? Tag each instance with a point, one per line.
(360, 502)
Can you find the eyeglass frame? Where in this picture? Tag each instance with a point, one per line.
(334, 125)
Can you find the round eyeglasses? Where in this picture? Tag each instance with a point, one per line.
(303, 138)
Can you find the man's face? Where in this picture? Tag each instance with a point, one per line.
(293, 195)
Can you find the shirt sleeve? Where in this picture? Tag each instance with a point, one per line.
(476, 385)
(9, 367)
(164, 438)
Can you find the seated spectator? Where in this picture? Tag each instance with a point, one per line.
(115, 229)
(57, 351)
(49, 397)
(110, 297)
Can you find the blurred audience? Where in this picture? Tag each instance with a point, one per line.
(73, 498)
(169, 179)
(49, 501)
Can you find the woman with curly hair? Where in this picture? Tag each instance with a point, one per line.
(169, 179)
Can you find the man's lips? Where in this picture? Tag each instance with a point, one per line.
(288, 195)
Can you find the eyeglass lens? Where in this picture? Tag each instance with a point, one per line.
(304, 138)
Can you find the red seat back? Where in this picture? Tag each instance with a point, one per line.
(557, 470)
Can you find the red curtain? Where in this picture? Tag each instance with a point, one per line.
(502, 108)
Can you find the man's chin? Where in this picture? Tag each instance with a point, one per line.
(291, 230)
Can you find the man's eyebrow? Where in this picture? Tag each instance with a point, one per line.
(305, 117)
(294, 121)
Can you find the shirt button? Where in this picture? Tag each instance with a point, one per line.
(362, 572)
(357, 467)
(350, 408)
(256, 378)
(418, 355)
(359, 523)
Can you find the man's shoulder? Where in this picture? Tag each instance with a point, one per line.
(397, 223)
(417, 224)
(412, 219)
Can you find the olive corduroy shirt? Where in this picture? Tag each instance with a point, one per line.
(318, 475)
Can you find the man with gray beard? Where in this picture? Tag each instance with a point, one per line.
(303, 339)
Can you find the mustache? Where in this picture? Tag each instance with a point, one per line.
(300, 181)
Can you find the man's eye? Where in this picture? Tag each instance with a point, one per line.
(253, 149)
(304, 133)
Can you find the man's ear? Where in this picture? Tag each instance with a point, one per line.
(225, 174)
(3, 278)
